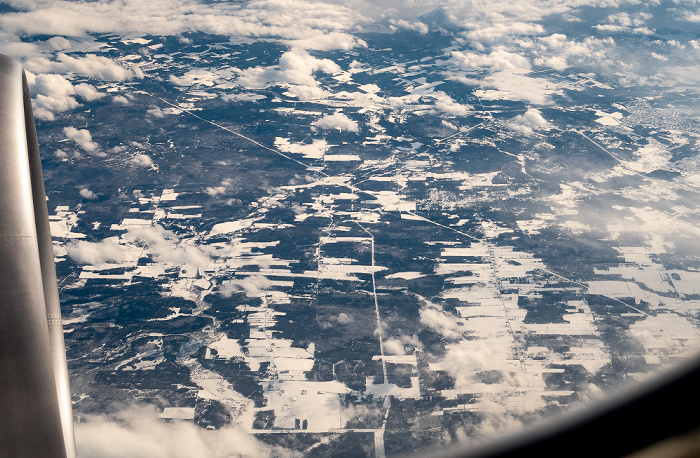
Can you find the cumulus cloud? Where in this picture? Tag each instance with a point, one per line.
(445, 104)
(508, 67)
(95, 253)
(295, 71)
(85, 193)
(525, 14)
(440, 321)
(394, 347)
(50, 84)
(513, 393)
(473, 356)
(692, 16)
(558, 52)
(449, 125)
(626, 23)
(120, 100)
(333, 320)
(156, 112)
(90, 65)
(58, 43)
(503, 31)
(12, 45)
(412, 25)
(327, 41)
(398, 345)
(142, 160)
(83, 138)
(217, 190)
(338, 121)
(239, 98)
(166, 247)
(252, 285)
(55, 94)
(298, 66)
(514, 86)
(88, 92)
(528, 122)
(303, 23)
(138, 432)
(497, 60)
(46, 107)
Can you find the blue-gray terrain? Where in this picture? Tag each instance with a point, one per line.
(317, 229)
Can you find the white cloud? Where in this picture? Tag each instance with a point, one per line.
(445, 104)
(237, 98)
(166, 247)
(627, 23)
(12, 45)
(85, 193)
(156, 112)
(508, 79)
(692, 17)
(413, 25)
(51, 84)
(338, 121)
(252, 285)
(397, 346)
(295, 71)
(504, 31)
(89, 65)
(46, 106)
(616, 28)
(142, 160)
(476, 14)
(88, 92)
(440, 321)
(497, 60)
(297, 67)
(473, 356)
(53, 94)
(514, 86)
(305, 23)
(137, 432)
(217, 190)
(449, 125)
(82, 137)
(333, 320)
(95, 253)
(394, 347)
(558, 52)
(179, 81)
(59, 43)
(528, 122)
(120, 100)
(327, 41)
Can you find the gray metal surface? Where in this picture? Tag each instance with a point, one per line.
(35, 414)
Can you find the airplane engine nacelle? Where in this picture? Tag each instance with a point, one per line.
(35, 408)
